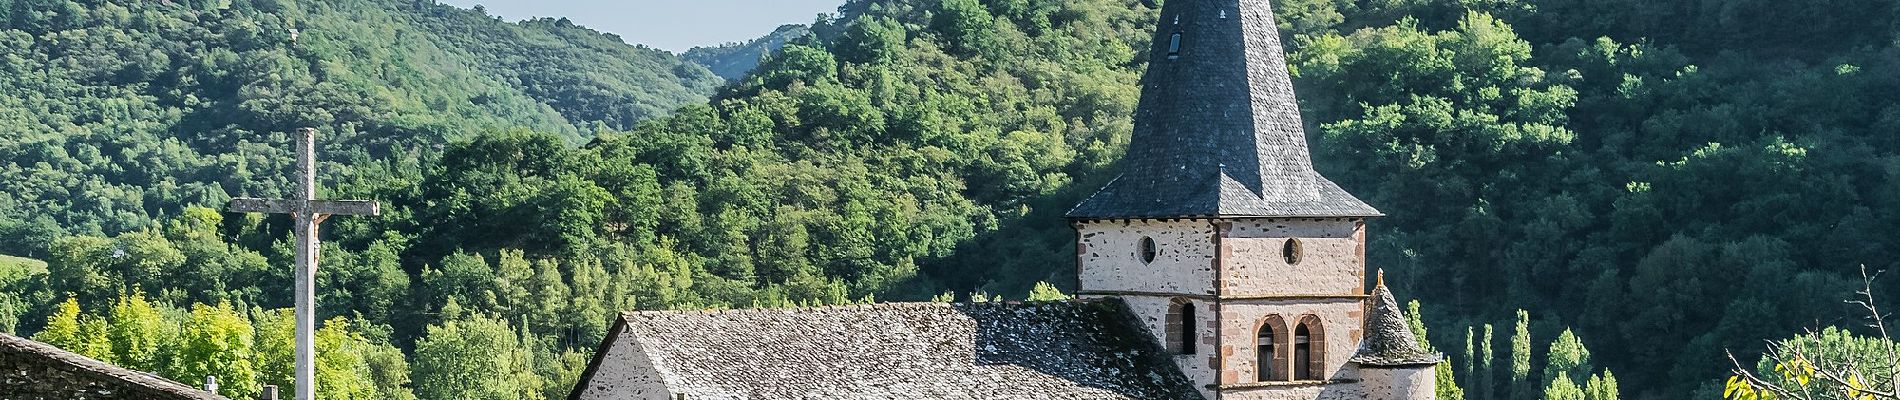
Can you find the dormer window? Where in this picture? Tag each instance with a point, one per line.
(1174, 46)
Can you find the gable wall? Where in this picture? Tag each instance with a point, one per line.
(624, 373)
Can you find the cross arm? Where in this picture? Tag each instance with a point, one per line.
(321, 207)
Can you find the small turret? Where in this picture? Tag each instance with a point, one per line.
(1391, 363)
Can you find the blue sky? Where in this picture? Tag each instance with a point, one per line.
(674, 25)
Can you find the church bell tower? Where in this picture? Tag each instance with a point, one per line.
(1244, 262)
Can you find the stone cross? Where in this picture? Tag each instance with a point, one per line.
(307, 211)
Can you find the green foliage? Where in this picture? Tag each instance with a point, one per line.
(69, 330)
(1485, 385)
(966, 25)
(18, 276)
(216, 341)
(734, 60)
(1669, 178)
(1046, 292)
(1803, 364)
(473, 358)
(1521, 384)
(1446, 380)
(1567, 357)
(1561, 388)
(135, 331)
(1602, 387)
(197, 99)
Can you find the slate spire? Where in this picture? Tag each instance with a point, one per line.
(1389, 341)
(1218, 131)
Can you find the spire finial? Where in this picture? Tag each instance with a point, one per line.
(1381, 277)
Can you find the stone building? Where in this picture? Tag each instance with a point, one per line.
(32, 370)
(1218, 265)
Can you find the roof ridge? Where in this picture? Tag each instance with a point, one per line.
(873, 306)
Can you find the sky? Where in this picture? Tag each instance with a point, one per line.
(674, 25)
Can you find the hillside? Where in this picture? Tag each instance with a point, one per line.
(1670, 179)
(116, 113)
(734, 60)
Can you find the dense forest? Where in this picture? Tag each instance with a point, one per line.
(734, 60)
(1663, 180)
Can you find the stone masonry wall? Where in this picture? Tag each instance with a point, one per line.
(1341, 329)
(1110, 259)
(625, 373)
(1417, 383)
(1109, 253)
(1331, 261)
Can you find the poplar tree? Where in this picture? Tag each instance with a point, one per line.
(1602, 387)
(1487, 376)
(1469, 358)
(1567, 356)
(1521, 357)
(1561, 388)
(1446, 381)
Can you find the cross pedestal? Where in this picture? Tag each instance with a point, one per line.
(308, 212)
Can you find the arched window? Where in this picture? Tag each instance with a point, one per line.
(1309, 350)
(1268, 350)
(1147, 250)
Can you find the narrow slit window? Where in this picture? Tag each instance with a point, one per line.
(1174, 46)
(1187, 328)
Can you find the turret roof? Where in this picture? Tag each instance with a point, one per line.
(1389, 341)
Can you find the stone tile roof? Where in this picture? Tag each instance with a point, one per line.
(34, 370)
(1218, 131)
(1060, 350)
(1389, 341)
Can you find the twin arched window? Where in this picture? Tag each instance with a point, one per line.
(1299, 356)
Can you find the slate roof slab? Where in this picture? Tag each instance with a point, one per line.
(1218, 132)
(1053, 350)
(34, 370)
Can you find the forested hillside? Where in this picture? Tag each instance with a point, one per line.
(1666, 179)
(735, 60)
(114, 114)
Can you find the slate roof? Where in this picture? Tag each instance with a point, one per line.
(1218, 131)
(1389, 341)
(34, 370)
(1058, 350)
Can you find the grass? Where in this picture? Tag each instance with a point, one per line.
(14, 268)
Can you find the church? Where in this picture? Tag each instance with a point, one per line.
(1218, 265)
